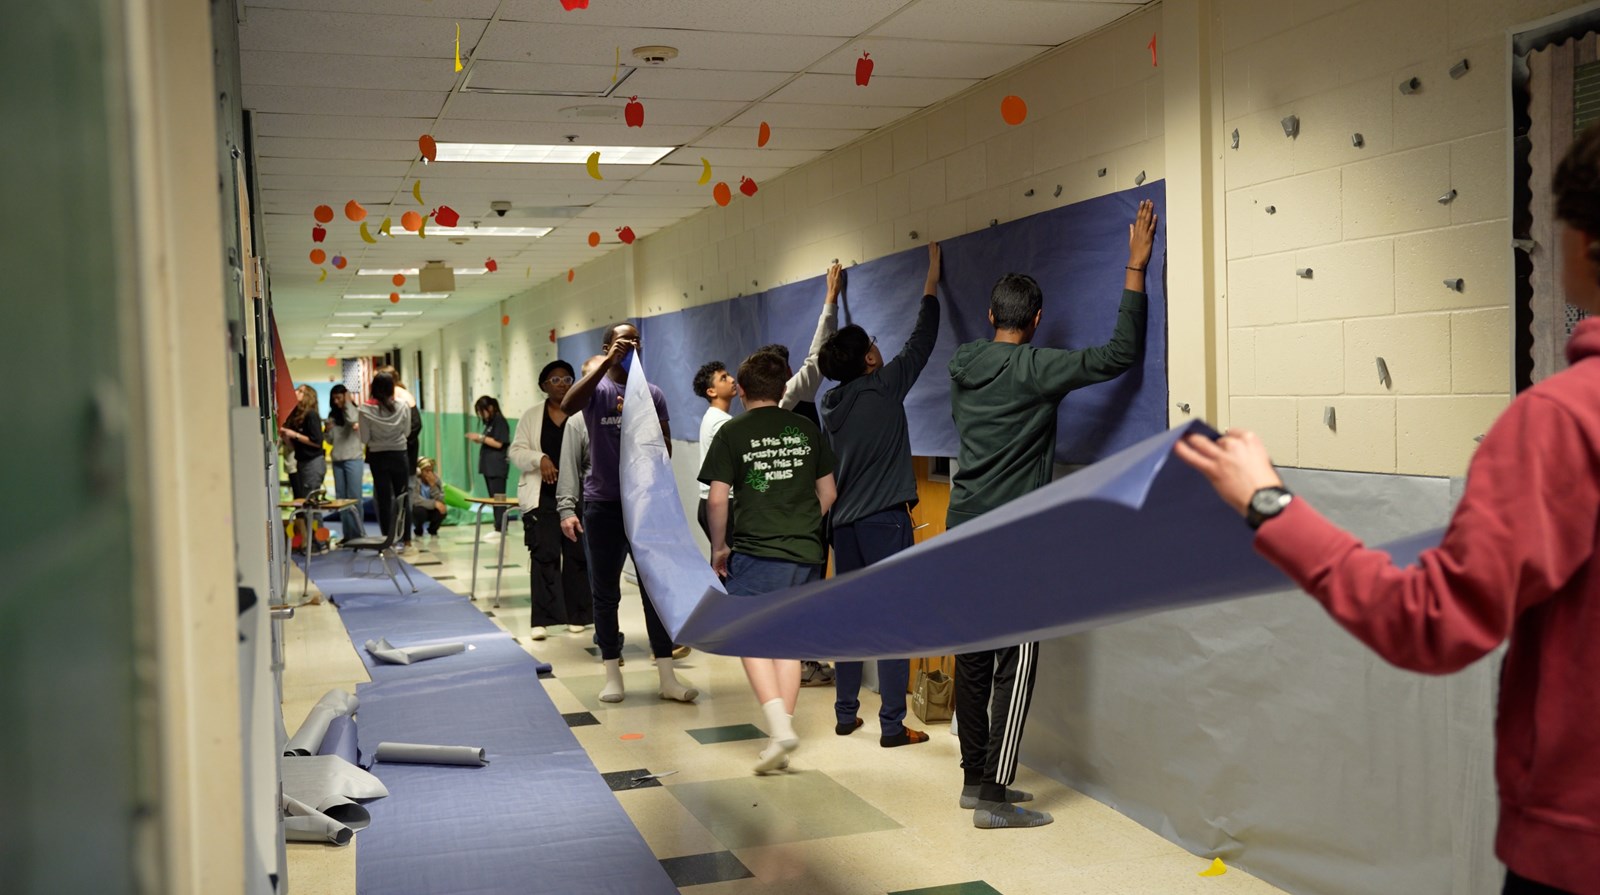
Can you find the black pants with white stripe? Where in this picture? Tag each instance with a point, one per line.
(993, 691)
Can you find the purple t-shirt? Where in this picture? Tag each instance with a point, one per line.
(603, 419)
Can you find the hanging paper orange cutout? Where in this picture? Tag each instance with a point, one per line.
(505, 320)
(1153, 63)
(318, 256)
(1013, 110)
(458, 46)
(354, 211)
(333, 362)
(594, 239)
(570, 274)
(430, 149)
(394, 298)
(764, 134)
(323, 214)
(721, 193)
(399, 279)
(411, 221)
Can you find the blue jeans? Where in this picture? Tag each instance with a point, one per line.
(856, 546)
(606, 542)
(752, 576)
(347, 485)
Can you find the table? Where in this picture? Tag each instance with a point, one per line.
(477, 538)
(312, 513)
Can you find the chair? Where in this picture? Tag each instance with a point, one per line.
(384, 546)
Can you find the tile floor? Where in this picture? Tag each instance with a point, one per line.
(850, 819)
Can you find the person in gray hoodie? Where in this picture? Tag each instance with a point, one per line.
(864, 420)
(1005, 395)
(385, 425)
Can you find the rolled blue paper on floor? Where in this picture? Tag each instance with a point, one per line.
(340, 739)
(382, 649)
(422, 753)
(1137, 533)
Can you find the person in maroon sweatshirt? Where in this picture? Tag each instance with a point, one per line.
(1520, 560)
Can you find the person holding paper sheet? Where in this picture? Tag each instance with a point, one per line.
(1520, 562)
(780, 470)
(599, 396)
(864, 418)
(1005, 395)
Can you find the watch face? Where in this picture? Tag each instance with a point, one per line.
(1268, 501)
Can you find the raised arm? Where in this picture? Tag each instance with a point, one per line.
(578, 396)
(1060, 372)
(901, 373)
(803, 385)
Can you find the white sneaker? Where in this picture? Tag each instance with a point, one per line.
(577, 629)
(489, 537)
(538, 632)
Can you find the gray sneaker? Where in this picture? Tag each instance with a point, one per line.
(998, 815)
(969, 796)
(815, 674)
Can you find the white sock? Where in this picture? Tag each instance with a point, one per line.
(780, 724)
(612, 691)
(671, 687)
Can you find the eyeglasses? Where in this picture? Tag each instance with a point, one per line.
(559, 380)
(874, 341)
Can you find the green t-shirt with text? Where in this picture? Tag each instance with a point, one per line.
(772, 459)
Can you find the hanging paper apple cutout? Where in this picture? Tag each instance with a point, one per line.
(552, 336)
(445, 216)
(633, 112)
(318, 234)
(339, 261)
(864, 69)
(626, 235)
(747, 186)
(570, 5)
(491, 265)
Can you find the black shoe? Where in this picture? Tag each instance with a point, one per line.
(845, 730)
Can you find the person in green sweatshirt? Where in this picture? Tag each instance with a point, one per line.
(1005, 395)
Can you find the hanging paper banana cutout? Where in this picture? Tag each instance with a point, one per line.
(384, 228)
(422, 229)
(593, 165)
(705, 171)
(323, 276)
(458, 46)
(365, 236)
(416, 192)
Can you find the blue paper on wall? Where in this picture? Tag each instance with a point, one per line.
(1137, 533)
(1076, 253)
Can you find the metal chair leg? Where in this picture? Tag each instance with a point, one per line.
(382, 558)
(406, 572)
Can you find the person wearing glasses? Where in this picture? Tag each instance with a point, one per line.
(560, 574)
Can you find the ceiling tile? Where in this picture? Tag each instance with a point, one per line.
(807, 115)
(276, 68)
(842, 90)
(601, 135)
(688, 84)
(1035, 22)
(492, 107)
(724, 160)
(445, 9)
(294, 147)
(691, 172)
(343, 167)
(782, 138)
(541, 78)
(814, 17)
(899, 58)
(414, 38)
(343, 101)
(342, 127)
(584, 45)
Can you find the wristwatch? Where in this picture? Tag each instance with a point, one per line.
(1266, 504)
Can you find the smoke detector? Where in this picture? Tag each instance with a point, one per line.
(655, 55)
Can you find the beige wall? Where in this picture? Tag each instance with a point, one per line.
(1252, 344)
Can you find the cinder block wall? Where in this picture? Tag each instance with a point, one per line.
(1365, 220)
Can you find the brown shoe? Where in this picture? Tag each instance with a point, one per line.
(906, 737)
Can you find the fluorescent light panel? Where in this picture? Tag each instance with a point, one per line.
(545, 154)
(412, 271)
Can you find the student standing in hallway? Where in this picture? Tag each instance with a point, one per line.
(493, 464)
(1005, 395)
(560, 576)
(384, 424)
(348, 464)
(714, 383)
(864, 419)
(779, 470)
(303, 430)
(599, 396)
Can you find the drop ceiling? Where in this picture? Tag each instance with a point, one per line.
(340, 90)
